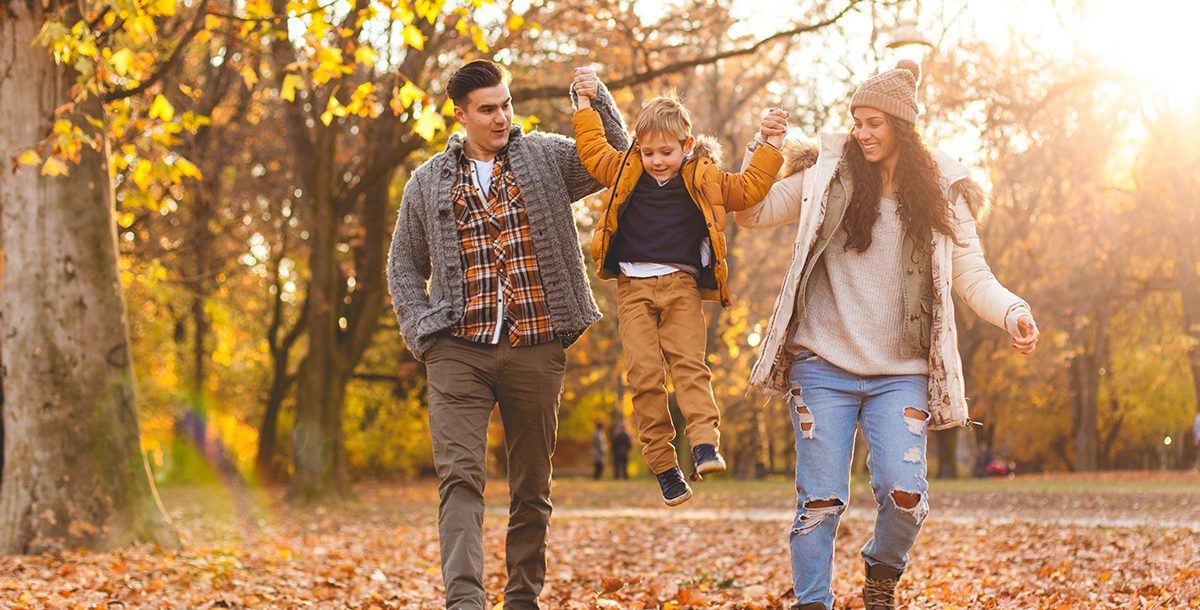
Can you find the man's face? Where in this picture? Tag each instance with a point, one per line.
(487, 118)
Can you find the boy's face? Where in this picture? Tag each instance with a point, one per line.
(662, 155)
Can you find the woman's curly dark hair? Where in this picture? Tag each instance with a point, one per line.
(920, 196)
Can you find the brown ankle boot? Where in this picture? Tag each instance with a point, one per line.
(879, 590)
(812, 606)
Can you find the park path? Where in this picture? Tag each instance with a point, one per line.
(957, 517)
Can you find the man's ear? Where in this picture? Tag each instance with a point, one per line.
(460, 115)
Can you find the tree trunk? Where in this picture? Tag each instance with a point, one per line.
(1085, 390)
(64, 320)
(1188, 279)
(318, 442)
(268, 431)
(1, 347)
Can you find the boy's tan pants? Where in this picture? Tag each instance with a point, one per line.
(662, 325)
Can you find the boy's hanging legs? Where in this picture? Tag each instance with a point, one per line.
(638, 312)
(683, 335)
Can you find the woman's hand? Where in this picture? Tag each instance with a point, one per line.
(1026, 341)
(774, 126)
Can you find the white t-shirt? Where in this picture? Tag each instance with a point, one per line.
(483, 175)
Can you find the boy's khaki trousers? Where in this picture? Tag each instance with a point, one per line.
(662, 325)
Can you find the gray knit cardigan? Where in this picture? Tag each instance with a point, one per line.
(425, 274)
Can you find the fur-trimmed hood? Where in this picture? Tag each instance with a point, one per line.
(799, 155)
(708, 146)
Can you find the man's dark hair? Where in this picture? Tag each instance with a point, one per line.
(478, 74)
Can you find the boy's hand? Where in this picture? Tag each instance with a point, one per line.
(774, 126)
(586, 86)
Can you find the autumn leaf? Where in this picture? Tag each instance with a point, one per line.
(408, 94)
(413, 37)
(121, 61)
(55, 167)
(162, 109)
(429, 123)
(29, 157)
(291, 83)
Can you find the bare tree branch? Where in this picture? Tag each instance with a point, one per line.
(556, 90)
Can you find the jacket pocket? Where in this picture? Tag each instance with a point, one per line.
(926, 323)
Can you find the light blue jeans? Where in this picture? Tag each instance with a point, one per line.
(827, 403)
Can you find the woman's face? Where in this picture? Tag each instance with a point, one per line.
(874, 134)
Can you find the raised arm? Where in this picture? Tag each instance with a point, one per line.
(781, 202)
(600, 159)
(580, 183)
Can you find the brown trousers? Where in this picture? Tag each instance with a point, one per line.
(466, 380)
(662, 325)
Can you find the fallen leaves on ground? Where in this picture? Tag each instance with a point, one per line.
(613, 546)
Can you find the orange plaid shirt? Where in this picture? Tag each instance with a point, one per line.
(498, 260)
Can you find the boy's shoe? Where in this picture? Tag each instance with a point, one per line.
(675, 490)
(879, 590)
(707, 459)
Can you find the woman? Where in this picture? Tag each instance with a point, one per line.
(863, 333)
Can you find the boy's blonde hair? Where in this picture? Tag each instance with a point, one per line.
(664, 114)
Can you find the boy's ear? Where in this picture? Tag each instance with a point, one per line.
(688, 145)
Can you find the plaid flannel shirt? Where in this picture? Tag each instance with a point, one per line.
(498, 261)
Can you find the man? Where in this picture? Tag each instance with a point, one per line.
(621, 445)
(488, 283)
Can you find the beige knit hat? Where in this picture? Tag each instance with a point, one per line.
(892, 91)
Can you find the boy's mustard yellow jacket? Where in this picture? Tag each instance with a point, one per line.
(714, 191)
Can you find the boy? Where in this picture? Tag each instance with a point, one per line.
(661, 237)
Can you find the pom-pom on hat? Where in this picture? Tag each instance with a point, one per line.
(893, 91)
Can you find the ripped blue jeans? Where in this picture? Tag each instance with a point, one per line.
(827, 403)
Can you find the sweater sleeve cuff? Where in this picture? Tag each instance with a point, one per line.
(1015, 312)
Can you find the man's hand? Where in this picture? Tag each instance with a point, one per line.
(774, 126)
(586, 86)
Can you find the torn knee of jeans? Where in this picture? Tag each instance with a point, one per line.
(815, 511)
(911, 502)
(916, 419)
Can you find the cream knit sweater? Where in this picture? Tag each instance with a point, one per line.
(854, 304)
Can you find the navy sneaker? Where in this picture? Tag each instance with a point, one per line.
(675, 490)
(707, 459)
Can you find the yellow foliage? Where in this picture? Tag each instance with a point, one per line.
(162, 109)
(55, 167)
(121, 61)
(30, 157)
(409, 93)
(429, 123)
(413, 37)
(291, 83)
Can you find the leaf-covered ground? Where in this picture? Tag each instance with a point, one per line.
(1104, 541)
